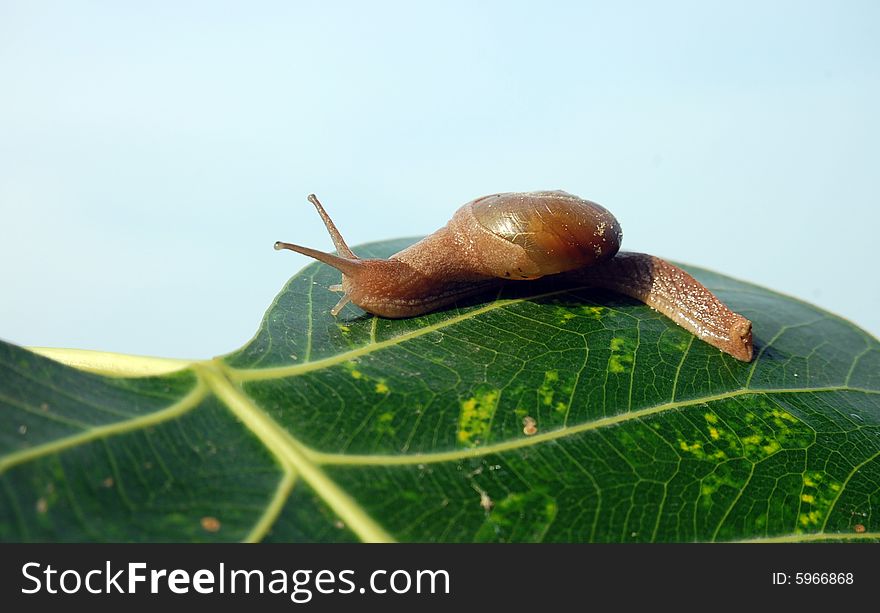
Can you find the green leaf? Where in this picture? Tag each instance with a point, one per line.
(324, 429)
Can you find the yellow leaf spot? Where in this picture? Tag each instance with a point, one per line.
(351, 367)
(713, 432)
(692, 448)
(621, 356)
(595, 312)
(475, 417)
(771, 447)
(784, 415)
(808, 498)
(545, 392)
(381, 388)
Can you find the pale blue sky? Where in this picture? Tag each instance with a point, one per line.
(152, 152)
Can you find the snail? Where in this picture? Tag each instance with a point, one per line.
(520, 236)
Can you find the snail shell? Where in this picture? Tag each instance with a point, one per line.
(518, 236)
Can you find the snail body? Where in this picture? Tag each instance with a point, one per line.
(523, 236)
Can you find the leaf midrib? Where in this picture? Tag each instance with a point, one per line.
(292, 455)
